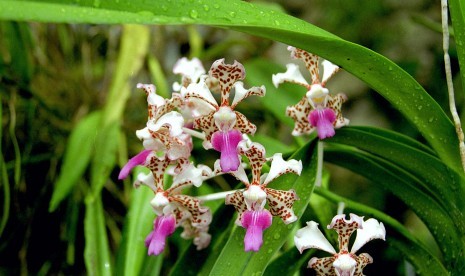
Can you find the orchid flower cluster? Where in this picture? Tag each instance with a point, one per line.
(193, 111)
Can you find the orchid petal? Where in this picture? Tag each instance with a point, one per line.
(199, 215)
(191, 175)
(323, 266)
(329, 69)
(291, 75)
(323, 120)
(281, 203)
(237, 200)
(227, 75)
(239, 174)
(207, 125)
(199, 92)
(255, 222)
(280, 167)
(226, 143)
(191, 70)
(345, 228)
(163, 227)
(173, 119)
(310, 60)
(242, 93)
(335, 103)
(371, 229)
(254, 197)
(311, 237)
(147, 180)
(255, 152)
(159, 202)
(299, 113)
(345, 265)
(137, 160)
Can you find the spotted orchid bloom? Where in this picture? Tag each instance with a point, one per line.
(190, 70)
(164, 130)
(222, 125)
(317, 109)
(344, 262)
(250, 203)
(171, 207)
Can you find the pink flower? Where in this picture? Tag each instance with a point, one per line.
(323, 120)
(255, 222)
(226, 144)
(163, 226)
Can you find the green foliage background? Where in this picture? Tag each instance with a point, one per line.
(70, 109)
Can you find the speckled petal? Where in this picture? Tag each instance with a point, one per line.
(335, 103)
(256, 155)
(345, 228)
(196, 92)
(310, 60)
(323, 266)
(311, 237)
(237, 200)
(227, 75)
(281, 203)
(280, 167)
(199, 215)
(299, 113)
(191, 70)
(329, 69)
(243, 124)
(242, 93)
(207, 125)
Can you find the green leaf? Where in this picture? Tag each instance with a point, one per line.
(77, 157)
(96, 252)
(259, 71)
(138, 224)
(383, 75)
(289, 262)
(233, 260)
(436, 178)
(404, 186)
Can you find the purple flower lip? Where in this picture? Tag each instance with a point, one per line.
(137, 160)
(255, 222)
(156, 240)
(323, 120)
(226, 143)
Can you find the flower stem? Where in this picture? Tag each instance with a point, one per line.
(216, 196)
(194, 133)
(450, 85)
(319, 168)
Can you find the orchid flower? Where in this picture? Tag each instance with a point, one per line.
(164, 130)
(250, 203)
(222, 125)
(317, 109)
(172, 208)
(344, 262)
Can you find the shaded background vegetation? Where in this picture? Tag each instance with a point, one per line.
(52, 75)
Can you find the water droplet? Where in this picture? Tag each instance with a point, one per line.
(97, 3)
(269, 251)
(194, 14)
(276, 22)
(216, 6)
(206, 8)
(276, 236)
(232, 14)
(420, 107)
(390, 68)
(164, 8)
(431, 119)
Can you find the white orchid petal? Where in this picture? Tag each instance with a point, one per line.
(199, 92)
(311, 237)
(345, 264)
(193, 174)
(192, 69)
(280, 167)
(292, 74)
(173, 118)
(329, 69)
(152, 97)
(371, 229)
(242, 93)
(159, 202)
(145, 179)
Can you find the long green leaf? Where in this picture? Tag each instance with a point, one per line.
(384, 76)
(233, 260)
(441, 182)
(77, 157)
(137, 226)
(96, 252)
(403, 185)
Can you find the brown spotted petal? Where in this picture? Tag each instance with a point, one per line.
(256, 155)
(237, 200)
(280, 167)
(362, 260)
(281, 203)
(310, 60)
(158, 167)
(241, 93)
(299, 113)
(227, 75)
(335, 103)
(207, 125)
(345, 228)
(322, 266)
(199, 215)
(243, 124)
